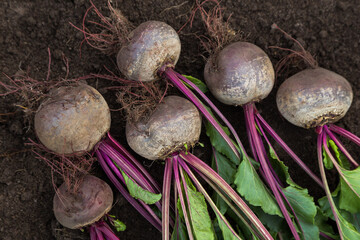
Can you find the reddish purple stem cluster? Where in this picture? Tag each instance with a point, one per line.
(180, 163)
(101, 230)
(113, 157)
(268, 173)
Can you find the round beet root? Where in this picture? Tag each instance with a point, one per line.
(72, 119)
(239, 74)
(152, 44)
(174, 123)
(314, 97)
(92, 200)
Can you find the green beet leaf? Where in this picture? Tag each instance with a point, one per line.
(274, 223)
(347, 221)
(241, 228)
(322, 222)
(138, 192)
(282, 171)
(325, 206)
(298, 198)
(226, 233)
(343, 161)
(220, 144)
(119, 225)
(224, 167)
(305, 210)
(200, 84)
(350, 190)
(200, 219)
(326, 159)
(220, 203)
(250, 186)
(180, 231)
(349, 232)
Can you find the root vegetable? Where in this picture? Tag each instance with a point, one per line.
(175, 123)
(239, 74)
(76, 118)
(317, 98)
(87, 207)
(151, 45)
(314, 97)
(148, 53)
(171, 129)
(91, 201)
(63, 121)
(72, 123)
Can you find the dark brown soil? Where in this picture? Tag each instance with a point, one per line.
(330, 29)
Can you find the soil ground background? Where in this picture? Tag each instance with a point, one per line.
(330, 29)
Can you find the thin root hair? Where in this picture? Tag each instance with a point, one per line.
(294, 55)
(71, 168)
(110, 32)
(219, 31)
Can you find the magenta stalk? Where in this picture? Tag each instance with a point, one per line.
(249, 114)
(231, 194)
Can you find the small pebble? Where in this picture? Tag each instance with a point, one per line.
(16, 128)
(26, 196)
(57, 54)
(79, 35)
(31, 21)
(323, 34)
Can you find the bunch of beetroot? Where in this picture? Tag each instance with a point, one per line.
(242, 74)
(72, 122)
(254, 196)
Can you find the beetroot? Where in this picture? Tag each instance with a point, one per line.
(317, 98)
(151, 45)
(63, 121)
(168, 134)
(87, 207)
(175, 122)
(240, 73)
(314, 97)
(91, 201)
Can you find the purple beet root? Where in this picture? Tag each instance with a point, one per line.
(174, 123)
(72, 120)
(314, 97)
(151, 45)
(91, 201)
(239, 74)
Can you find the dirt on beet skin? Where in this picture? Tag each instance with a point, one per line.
(329, 29)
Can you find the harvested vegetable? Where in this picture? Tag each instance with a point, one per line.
(72, 123)
(62, 124)
(143, 45)
(241, 74)
(317, 98)
(87, 207)
(168, 134)
(146, 53)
